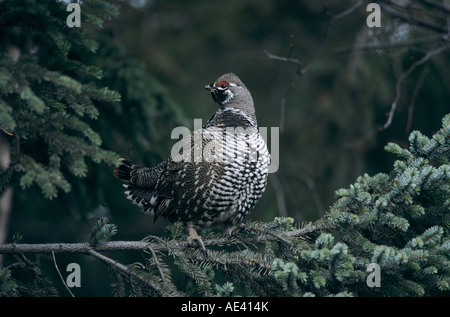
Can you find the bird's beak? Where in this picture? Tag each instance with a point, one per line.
(210, 87)
(213, 91)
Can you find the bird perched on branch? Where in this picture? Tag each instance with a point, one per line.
(215, 176)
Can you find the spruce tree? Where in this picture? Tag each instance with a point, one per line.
(398, 221)
(48, 96)
(70, 99)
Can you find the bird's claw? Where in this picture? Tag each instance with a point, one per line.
(193, 236)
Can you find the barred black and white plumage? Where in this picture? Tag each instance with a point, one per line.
(220, 186)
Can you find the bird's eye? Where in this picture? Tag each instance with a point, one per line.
(223, 85)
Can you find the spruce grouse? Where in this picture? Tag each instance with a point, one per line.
(218, 174)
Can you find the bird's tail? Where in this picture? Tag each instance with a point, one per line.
(123, 170)
(139, 189)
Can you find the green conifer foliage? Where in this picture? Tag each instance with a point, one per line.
(400, 221)
(48, 95)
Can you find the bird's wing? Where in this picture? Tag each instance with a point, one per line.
(184, 180)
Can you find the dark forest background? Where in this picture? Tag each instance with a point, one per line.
(314, 68)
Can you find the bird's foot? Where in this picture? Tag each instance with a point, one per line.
(229, 231)
(193, 236)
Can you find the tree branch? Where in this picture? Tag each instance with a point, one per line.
(162, 245)
(250, 234)
(45, 248)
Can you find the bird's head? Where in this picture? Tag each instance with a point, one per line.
(229, 91)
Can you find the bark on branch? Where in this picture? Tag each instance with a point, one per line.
(161, 245)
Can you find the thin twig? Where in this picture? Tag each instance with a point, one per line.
(309, 182)
(398, 12)
(267, 232)
(402, 77)
(413, 98)
(279, 193)
(389, 45)
(126, 270)
(438, 5)
(347, 11)
(60, 275)
(292, 83)
(156, 262)
(308, 229)
(300, 71)
(283, 59)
